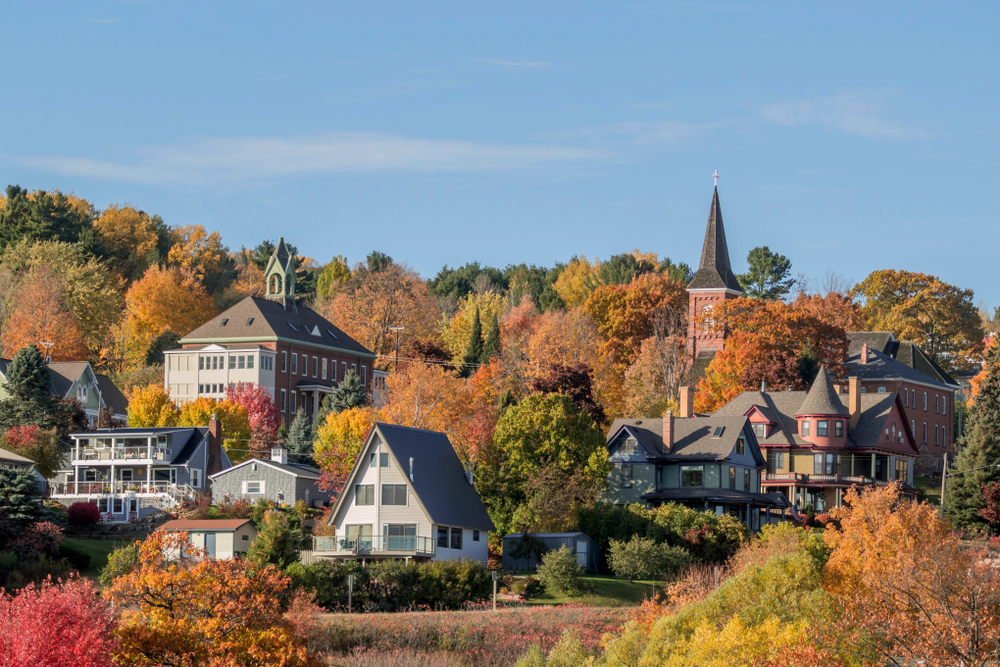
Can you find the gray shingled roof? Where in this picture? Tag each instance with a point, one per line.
(721, 495)
(822, 398)
(269, 319)
(297, 469)
(714, 270)
(876, 340)
(112, 396)
(881, 366)
(63, 374)
(694, 437)
(903, 351)
(438, 476)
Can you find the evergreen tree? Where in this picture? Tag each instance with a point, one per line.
(299, 440)
(493, 347)
(350, 393)
(20, 500)
(277, 543)
(768, 277)
(29, 391)
(981, 449)
(475, 350)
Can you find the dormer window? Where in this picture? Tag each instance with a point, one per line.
(629, 446)
(249, 321)
(760, 430)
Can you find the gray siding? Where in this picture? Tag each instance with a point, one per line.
(230, 484)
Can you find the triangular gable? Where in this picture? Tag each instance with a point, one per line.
(758, 416)
(633, 434)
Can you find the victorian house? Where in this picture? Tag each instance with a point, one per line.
(78, 380)
(821, 442)
(285, 347)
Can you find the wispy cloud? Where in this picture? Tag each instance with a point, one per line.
(103, 21)
(218, 160)
(523, 64)
(864, 114)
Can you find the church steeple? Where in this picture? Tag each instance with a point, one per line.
(280, 276)
(714, 270)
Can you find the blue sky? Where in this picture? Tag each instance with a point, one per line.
(849, 136)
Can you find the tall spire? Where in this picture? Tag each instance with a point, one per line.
(715, 271)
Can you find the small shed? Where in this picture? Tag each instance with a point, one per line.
(586, 549)
(224, 539)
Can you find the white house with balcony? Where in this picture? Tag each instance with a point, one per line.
(130, 473)
(407, 497)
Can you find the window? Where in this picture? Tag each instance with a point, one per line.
(292, 326)
(732, 478)
(245, 537)
(315, 367)
(893, 431)
(906, 396)
(746, 480)
(628, 447)
(201, 363)
(232, 361)
(249, 322)
(823, 464)
(284, 361)
(944, 437)
(913, 427)
(383, 460)
(838, 429)
(760, 430)
(195, 478)
(90, 475)
(282, 400)
(241, 361)
(359, 533)
(925, 432)
(343, 369)
(442, 537)
(821, 428)
(364, 375)
(692, 475)
(364, 494)
(775, 461)
(475, 536)
(201, 389)
(117, 506)
(936, 434)
(740, 445)
(625, 478)
(805, 428)
(925, 401)
(902, 469)
(333, 370)
(937, 403)
(456, 538)
(944, 405)
(881, 390)
(293, 406)
(374, 458)
(249, 361)
(324, 370)
(295, 364)
(215, 363)
(394, 494)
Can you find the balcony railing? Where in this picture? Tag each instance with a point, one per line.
(112, 454)
(823, 479)
(408, 544)
(111, 487)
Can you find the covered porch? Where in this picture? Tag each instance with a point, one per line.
(754, 510)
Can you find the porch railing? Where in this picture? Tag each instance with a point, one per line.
(823, 479)
(375, 544)
(109, 454)
(112, 487)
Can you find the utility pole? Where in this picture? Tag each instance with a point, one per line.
(48, 346)
(397, 330)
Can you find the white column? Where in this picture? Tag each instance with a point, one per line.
(149, 477)
(315, 404)
(873, 465)
(76, 479)
(149, 447)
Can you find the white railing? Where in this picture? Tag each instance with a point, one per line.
(111, 454)
(117, 488)
(828, 479)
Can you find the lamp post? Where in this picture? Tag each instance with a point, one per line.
(945, 475)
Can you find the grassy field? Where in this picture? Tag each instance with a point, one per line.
(605, 592)
(98, 551)
(930, 487)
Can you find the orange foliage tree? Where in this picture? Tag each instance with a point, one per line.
(769, 341)
(201, 253)
(179, 607)
(167, 299)
(905, 586)
(338, 442)
(130, 237)
(42, 312)
(835, 309)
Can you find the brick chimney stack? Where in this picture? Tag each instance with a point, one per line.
(864, 353)
(854, 400)
(214, 463)
(668, 430)
(687, 401)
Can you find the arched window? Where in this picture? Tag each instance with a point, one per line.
(288, 284)
(275, 287)
(708, 323)
(881, 390)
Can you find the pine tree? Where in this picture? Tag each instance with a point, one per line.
(299, 440)
(493, 347)
(350, 393)
(475, 350)
(29, 391)
(981, 449)
(20, 500)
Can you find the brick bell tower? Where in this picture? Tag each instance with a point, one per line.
(713, 283)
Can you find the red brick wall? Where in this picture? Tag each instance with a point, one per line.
(698, 339)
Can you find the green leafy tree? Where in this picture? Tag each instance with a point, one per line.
(493, 346)
(680, 272)
(537, 282)
(121, 561)
(474, 352)
(981, 449)
(561, 572)
(456, 283)
(378, 261)
(20, 498)
(300, 437)
(350, 393)
(643, 558)
(42, 216)
(333, 275)
(768, 277)
(29, 391)
(277, 542)
(621, 269)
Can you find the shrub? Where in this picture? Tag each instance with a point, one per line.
(83, 515)
(277, 542)
(76, 559)
(238, 509)
(642, 558)
(560, 571)
(526, 587)
(121, 561)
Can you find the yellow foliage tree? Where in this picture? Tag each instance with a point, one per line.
(455, 333)
(573, 284)
(334, 274)
(167, 298)
(339, 440)
(124, 348)
(151, 407)
(235, 421)
(199, 252)
(130, 237)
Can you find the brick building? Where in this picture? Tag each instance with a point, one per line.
(271, 341)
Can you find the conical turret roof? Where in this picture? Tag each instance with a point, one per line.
(823, 399)
(714, 270)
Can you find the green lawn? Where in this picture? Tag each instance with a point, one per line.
(605, 592)
(929, 487)
(98, 551)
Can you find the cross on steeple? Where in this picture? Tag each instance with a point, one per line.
(716, 177)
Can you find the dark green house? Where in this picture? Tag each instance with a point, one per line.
(707, 463)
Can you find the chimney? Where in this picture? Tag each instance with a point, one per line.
(687, 401)
(668, 431)
(763, 386)
(839, 389)
(279, 454)
(411, 468)
(214, 463)
(853, 400)
(468, 473)
(864, 353)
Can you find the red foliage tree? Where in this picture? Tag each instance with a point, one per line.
(62, 624)
(83, 514)
(261, 410)
(991, 496)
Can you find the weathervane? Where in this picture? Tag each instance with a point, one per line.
(716, 177)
